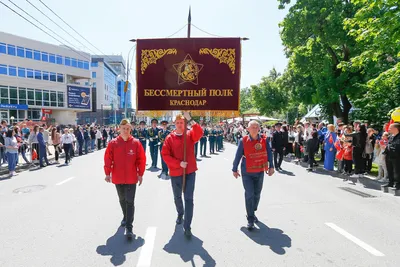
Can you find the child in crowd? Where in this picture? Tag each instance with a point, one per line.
(381, 157)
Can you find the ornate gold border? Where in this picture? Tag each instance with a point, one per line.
(225, 55)
(150, 56)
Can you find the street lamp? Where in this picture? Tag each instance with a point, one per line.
(12, 120)
(126, 87)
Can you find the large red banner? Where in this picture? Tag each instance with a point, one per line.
(197, 74)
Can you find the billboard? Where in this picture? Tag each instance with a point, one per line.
(197, 74)
(78, 97)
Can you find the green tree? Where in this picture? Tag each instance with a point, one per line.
(268, 96)
(246, 100)
(317, 44)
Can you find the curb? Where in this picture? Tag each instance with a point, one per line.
(367, 181)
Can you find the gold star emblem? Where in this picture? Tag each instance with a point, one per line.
(188, 71)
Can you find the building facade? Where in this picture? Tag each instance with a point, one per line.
(42, 80)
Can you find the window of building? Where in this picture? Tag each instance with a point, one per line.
(80, 64)
(20, 51)
(59, 59)
(36, 55)
(34, 114)
(3, 69)
(12, 70)
(13, 95)
(52, 58)
(3, 48)
(38, 97)
(74, 62)
(45, 57)
(38, 74)
(60, 77)
(67, 61)
(60, 96)
(31, 96)
(28, 53)
(94, 64)
(53, 76)
(94, 85)
(22, 96)
(46, 98)
(11, 50)
(53, 99)
(4, 94)
(45, 75)
(94, 75)
(86, 65)
(21, 72)
(29, 73)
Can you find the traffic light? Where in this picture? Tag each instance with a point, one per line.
(126, 86)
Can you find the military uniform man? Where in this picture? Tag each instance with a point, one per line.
(219, 139)
(162, 134)
(134, 132)
(211, 139)
(142, 134)
(152, 134)
(256, 155)
(203, 141)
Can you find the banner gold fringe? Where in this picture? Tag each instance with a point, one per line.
(201, 113)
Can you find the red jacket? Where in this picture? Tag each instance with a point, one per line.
(172, 151)
(124, 160)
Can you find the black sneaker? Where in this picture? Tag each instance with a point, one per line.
(188, 233)
(129, 234)
(123, 223)
(250, 226)
(256, 219)
(179, 220)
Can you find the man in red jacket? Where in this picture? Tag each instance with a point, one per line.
(124, 165)
(172, 153)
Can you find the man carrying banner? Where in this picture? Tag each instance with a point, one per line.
(152, 134)
(256, 155)
(172, 153)
(124, 166)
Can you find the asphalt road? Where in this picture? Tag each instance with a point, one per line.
(69, 216)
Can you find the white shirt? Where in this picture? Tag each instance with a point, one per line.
(66, 139)
(98, 134)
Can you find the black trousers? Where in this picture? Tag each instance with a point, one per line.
(203, 146)
(126, 195)
(104, 142)
(368, 162)
(67, 150)
(358, 161)
(98, 144)
(311, 160)
(348, 166)
(393, 169)
(278, 153)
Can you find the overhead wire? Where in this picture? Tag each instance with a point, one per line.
(59, 26)
(44, 25)
(177, 31)
(51, 10)
(205, 31)
(42, 30)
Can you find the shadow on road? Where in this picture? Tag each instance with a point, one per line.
(117, 246)
(287, 173)
(187, 249)
(272, 237)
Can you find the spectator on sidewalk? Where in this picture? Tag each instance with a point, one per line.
(359, 139)
(322, 131)
(369, 150)
(46, 137)
(55, 138)
(98, 137)
(11, 145)
(66, 142)
(381, 158)
(92, 138)
(312, 147)
(105, 137)
(42, 148)
(393, 156)
(33, 141)
(329, 148)
(86, 137)
(22, 147)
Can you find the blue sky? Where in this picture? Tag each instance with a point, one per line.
(110, 24)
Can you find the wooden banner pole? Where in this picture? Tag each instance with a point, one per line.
(185, 121)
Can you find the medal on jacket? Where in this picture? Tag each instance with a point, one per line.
(258, 146)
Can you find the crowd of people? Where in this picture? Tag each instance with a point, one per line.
(351, 148)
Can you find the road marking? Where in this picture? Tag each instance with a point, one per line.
(66, 180)
(357, 241)
(147, 249)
